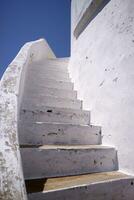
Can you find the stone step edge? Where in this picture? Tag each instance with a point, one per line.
(62, 123)
(68, 147)
(49, 108)
(94, 178)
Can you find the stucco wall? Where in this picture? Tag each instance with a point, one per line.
(102, 69)
(11, 93)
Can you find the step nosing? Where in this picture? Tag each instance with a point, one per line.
(86, 184)
(62, 123)
(37, 108)
(67, 147)
(47, 81)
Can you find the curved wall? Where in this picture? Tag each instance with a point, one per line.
(102, 68)
(11, 93)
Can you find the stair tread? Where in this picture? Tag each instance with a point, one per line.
(63, 182)
(59, 183)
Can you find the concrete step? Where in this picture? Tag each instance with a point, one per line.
(59, 93)
(63, 62)
(41, 133)
(60, 60)
(52, 114)
(98, 186)
(49, 83)
(52, 101)
(59, 160)
(48, 73)
(49, 65)
(43, 77)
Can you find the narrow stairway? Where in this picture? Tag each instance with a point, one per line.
(62, 154)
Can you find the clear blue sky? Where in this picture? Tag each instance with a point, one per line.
(26, 20)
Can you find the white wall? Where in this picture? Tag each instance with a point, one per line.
(11, 93)
(102, 68)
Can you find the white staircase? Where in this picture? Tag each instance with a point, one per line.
(62, 154)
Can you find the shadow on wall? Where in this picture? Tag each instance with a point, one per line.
(90, 13)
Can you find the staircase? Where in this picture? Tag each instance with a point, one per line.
(62, 153)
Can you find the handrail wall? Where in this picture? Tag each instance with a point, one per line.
(11, 91)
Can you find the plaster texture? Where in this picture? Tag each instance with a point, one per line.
(101, 67)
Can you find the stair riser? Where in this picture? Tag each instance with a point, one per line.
(39, 163)
(43, 77)
(58, 61)
(54, 102)
(48, 73)
(50, 84)
(55, 116)
(51, 67)
(58, 134)
(112, 190)
(59, 93)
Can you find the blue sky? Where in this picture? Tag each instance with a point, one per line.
(25, 20)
